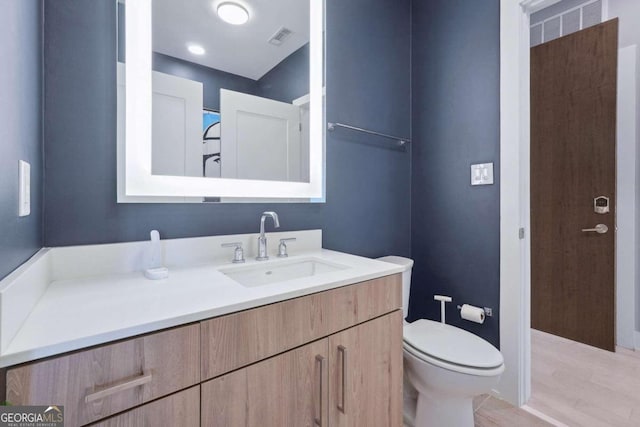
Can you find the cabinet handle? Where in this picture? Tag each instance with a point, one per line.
(323, 362)
(118, 387)
(342, 405)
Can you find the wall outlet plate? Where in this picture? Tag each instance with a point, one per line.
(482, 174)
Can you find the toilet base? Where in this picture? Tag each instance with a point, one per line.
(444, 412)
(445, 396)
(410, 403)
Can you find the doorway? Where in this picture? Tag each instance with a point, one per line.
(515, 273)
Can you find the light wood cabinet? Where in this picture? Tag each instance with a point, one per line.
(230, 342)
(350, 379)
(96, 383)
(365, 374)
(180, 409)
(333, 358)
(285, 390)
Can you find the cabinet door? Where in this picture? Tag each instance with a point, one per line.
(286, 390)
(365, 374)
(180, 409)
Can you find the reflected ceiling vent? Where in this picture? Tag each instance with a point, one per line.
(280, 36)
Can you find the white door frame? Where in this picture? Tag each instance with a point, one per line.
(515, 244)
(627, 184)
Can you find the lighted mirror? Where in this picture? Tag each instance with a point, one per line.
(220, 100)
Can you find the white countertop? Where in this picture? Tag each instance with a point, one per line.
(80, 312)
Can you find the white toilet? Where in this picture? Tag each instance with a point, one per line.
(444, 367)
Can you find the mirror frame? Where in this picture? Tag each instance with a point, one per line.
(138, 179)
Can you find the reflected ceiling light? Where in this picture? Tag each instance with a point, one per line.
(233, 13)
(196, 49)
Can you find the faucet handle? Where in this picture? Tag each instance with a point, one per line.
(238, 254)
(282, 248)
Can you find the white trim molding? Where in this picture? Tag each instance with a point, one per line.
(626, 198)
(543, 416)
(532, 6)
(515, 341)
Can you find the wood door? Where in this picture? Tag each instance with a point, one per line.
(365, 374)
(573, 137)
(287, 390)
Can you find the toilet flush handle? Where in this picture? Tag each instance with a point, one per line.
(443, 299)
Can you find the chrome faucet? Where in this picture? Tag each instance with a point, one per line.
(262, 240)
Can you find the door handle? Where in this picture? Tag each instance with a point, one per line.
(600, 229)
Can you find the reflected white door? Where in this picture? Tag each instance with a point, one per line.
(177, 126)
(260, 138)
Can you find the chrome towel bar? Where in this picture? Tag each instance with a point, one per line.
(400, 141)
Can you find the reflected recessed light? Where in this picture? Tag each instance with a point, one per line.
(233, 13)
(196, 49)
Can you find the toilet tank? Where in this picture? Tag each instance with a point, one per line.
(407, 264)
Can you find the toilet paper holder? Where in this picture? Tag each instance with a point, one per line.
(487, 311)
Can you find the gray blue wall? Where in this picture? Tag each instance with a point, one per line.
(20, 128)
(368, 186)
(289, 79)
(455, 97)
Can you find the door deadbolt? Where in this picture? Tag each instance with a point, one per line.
(601, 205)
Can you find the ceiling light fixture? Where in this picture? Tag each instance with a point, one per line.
(233, 13)
(196, 49)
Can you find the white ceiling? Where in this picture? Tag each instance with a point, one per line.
(243, 49)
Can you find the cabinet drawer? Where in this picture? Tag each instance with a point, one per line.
(180, 409)
(239, 339)
(102, 381)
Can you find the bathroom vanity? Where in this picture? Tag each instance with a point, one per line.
(320, 349)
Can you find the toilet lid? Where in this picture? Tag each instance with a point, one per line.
(451, 344)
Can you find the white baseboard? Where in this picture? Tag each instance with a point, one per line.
(543, 416)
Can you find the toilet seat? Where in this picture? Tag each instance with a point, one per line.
(452, 348)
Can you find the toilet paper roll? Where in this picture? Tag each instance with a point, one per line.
(471, 313)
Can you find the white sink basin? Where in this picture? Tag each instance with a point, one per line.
(280, 271)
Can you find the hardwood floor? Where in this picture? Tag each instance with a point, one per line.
(492, 412)
(572, 385)
(580, 385)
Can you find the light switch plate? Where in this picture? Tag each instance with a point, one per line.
(482, 174)
(24, 197)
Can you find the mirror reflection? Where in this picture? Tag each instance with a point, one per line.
(231, 89)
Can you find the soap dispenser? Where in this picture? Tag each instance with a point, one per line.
(155, 270)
